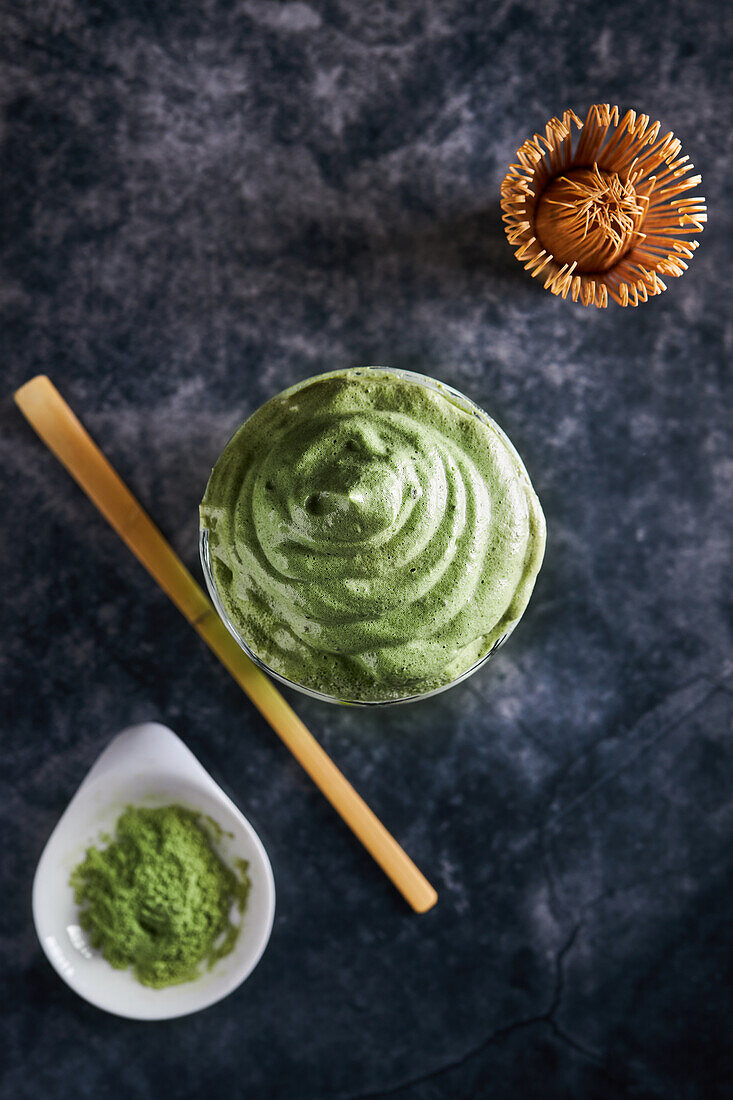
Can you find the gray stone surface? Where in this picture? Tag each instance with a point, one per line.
(204, 202)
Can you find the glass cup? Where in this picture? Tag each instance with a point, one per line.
(463, 402)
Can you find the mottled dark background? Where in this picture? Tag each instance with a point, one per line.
(203, 202)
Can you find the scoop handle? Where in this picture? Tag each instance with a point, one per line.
(61, 431)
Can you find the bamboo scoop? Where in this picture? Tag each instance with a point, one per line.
(45, 409)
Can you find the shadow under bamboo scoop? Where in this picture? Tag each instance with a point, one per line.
(609, 217)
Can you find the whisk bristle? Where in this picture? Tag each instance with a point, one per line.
(608, 217)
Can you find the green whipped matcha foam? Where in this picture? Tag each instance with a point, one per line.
(370, 538)
(158, 898)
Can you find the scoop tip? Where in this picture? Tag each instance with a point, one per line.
(30, 388)
(425, 903)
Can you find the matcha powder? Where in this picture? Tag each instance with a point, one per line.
(158, 897)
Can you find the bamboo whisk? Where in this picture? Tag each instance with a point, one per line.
(609, 217)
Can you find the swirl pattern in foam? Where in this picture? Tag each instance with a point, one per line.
(371, 534)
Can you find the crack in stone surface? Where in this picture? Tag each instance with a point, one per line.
(560, 908)
(614, 772)
(556, 904)
(547, 1018)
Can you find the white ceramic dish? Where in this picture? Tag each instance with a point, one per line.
(145, 765)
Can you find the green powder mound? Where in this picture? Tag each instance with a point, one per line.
(158, 897)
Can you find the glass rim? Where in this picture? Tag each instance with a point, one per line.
(416, 378)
